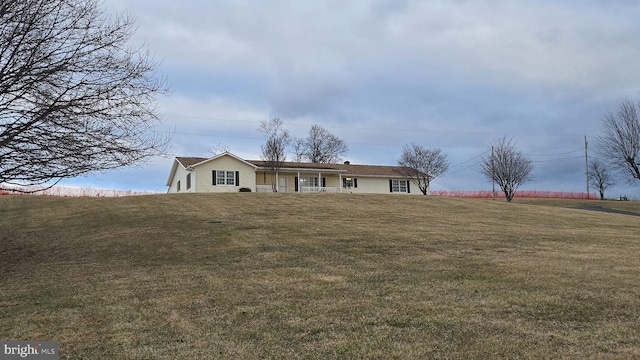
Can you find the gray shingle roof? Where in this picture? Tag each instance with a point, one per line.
(188, 161)
(346, 169)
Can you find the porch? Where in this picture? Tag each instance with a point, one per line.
(328, 181)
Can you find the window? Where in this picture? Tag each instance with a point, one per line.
(225, 178)
(231, 178)
(349, 182)
(178, 186)
(399, 186)
(188, 181)
(309, 181)
(219, 178)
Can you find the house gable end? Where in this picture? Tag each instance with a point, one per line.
(235, 173)
(206, 160)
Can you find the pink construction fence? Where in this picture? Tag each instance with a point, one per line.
(529, 194)
(68, 191)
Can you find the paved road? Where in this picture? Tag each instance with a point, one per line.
(603, 209)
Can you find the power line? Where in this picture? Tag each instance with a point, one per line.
(556, 154)
(360, 128)
(558, 160)
(464, 168)
(460, 165)
(475, 157)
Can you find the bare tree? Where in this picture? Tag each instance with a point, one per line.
(508, 167)
(219, 148)
(74, 97)
(298, 148)
(274, 149)
(422, 165)
(600, 176)
(321, 146)
(620, 140)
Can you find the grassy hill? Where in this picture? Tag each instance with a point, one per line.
(250, 276)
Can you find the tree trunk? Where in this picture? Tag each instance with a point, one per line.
(508, 195)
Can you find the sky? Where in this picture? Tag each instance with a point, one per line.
(455, 74)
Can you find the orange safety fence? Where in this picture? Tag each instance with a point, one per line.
(68, 191)
(529, 194)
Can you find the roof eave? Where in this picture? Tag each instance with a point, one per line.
(221, 155)
(392, 176)
(172, 173)
(304, 169)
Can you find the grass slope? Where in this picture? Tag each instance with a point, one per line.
(322, 276)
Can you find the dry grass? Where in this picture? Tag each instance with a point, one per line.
(319, 276)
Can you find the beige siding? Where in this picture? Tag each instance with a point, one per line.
(372, 185)
(181, 175)
(263, 178)
(204, 178)
(333, 181)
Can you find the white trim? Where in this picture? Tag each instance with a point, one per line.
(226, 177)
(221, 155)
(172, 173)
(286, 185)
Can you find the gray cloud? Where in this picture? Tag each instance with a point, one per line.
(453, 74)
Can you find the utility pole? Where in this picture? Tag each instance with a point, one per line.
(586, 162)
(493, 176)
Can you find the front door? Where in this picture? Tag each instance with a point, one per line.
(282, 184)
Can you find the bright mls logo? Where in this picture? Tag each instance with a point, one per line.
(42, 350)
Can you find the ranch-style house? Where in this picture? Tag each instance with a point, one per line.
(229, 173)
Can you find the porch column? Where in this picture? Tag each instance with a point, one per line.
(277, 183)
(340, 181)
(319, 181)
(299, 188)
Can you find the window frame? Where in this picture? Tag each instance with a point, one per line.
(349, 183)
(225, 177)
(399, 186)
(309, 181)
(230, 180)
